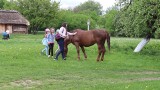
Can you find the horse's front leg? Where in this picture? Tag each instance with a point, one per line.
(65, 51)
(65, 47)
(77, 47)
(83, 50)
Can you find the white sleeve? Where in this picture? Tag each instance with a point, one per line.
(62, 31)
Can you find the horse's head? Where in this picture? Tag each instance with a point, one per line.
(69, 39)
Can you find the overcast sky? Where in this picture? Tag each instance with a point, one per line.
(72, 3)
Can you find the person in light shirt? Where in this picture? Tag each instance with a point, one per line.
(50, 38)
(63, 33)
(45, 42)
(8, 34)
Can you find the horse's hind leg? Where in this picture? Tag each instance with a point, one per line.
(83, 50)
(103, 52)
(99, 51)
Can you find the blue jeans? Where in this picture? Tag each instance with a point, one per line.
(61, 51)
(58, 49)
(45, 49)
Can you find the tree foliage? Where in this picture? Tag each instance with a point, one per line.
(137, 18)
(2, 3)
(133, 18)
(40, 13)
(89, 5)
(109, 20)
(44, 13)
(75, 21)
(89, 8)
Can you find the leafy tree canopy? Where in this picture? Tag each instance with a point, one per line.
(137, 18)
(2, 3)
(40, 13)
(89, 5)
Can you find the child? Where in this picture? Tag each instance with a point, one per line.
(50, 38)
(45, 42)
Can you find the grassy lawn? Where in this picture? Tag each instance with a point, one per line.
(23, 67)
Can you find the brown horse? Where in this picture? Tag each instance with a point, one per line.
(88, 38)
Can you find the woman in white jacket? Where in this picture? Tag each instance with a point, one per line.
(63, 34)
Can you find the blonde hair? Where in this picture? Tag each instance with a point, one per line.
(52, 29)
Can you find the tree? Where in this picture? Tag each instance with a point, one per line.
(10, 5)
(109, 20)
(40, 13)
(89, 8)
(75, 21)
(89, 5)
(80, 22)
(138, 18)
(2, 3)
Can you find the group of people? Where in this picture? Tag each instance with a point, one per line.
(49, 40)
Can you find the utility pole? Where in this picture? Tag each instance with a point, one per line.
(88, 24)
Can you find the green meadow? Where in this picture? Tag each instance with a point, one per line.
(23, 67)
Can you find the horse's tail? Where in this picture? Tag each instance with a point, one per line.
(108, 41)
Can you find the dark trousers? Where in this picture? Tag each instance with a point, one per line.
(8, 36)
(51, 49)
(61, 45)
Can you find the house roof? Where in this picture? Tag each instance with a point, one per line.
(12, 17)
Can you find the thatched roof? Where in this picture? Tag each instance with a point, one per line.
(12, 17)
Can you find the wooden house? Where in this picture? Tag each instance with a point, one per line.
(13, 21)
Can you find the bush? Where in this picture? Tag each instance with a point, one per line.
(157, 34)
(79, 22)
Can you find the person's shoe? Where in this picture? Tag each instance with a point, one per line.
(64, 58)
(55, 59)
(49, 56)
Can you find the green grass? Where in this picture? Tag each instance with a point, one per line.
(23, 67)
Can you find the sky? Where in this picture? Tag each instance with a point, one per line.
(65, 4)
